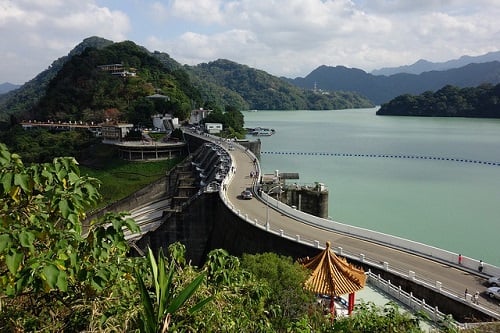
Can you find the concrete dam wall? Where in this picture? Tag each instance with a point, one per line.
(199, 219)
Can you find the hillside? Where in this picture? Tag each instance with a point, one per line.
(381, 89)
(255, 89)
(59, 92)
(450, 101)
(85, 89)
(26, 97)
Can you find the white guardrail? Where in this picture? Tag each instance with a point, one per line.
(378, 237)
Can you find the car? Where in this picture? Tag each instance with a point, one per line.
(246, 194)
(493, 292)
(494, 281)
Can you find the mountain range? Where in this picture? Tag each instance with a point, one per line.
(426, 66)
(6, 87)
(224, 82)
(73, 87)
(381, 89)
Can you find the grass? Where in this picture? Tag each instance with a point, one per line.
(121, 178)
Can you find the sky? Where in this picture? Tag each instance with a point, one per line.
(282, 37)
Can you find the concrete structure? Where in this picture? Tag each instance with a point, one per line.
(165, 122)
(149, 151)
(114, 132)
(214, 217)
(213, 128)
(197, 115)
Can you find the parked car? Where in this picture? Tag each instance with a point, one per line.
(493, 292)
(494, 281)
(246, 194)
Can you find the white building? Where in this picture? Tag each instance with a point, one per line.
(165, 122)
(112, 133)
(213, 128)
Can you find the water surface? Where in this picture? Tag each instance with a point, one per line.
(448, 204)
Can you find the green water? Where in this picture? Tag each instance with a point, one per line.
(448, 204)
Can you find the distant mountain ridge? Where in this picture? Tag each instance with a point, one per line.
(381, 89)
(422, 65)
(7, 86)
(222, 83)
(250, 88)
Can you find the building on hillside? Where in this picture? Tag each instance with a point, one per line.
(118, 69)
(213, 128)
(111, 67)
(114, 132)
(197, 115)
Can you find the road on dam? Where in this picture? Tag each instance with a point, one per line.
(454, 278)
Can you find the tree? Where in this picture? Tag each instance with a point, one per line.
(290, 301)
(46, 256)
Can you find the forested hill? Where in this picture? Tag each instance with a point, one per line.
(85, 89)
(381, 89)
(255, 89)
(72, 87)
(450, 101)
(27, 96)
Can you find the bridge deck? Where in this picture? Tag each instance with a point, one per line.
(453, 277)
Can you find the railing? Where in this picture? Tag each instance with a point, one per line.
(381, 238)
(409, 301)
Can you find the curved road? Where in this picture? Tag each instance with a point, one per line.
(454, 279)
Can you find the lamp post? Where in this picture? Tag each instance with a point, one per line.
(267, 204)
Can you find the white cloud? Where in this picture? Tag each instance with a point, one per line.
(205, 11)
(49, 30)
(283, 37)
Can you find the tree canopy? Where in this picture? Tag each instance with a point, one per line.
(450, 101)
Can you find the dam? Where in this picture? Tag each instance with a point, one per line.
(198, 204)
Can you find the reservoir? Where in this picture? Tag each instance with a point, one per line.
(430, 180)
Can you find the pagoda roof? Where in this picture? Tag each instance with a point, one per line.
(332, 275)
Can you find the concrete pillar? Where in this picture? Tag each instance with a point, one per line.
(316, 244)
(340, 251)
(282, 232)
(362, 257)
(386, 265)
(411, 275)
(297, 237)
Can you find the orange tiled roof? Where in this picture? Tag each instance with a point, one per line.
(332, 275)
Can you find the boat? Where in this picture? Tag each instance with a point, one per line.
(259, 131)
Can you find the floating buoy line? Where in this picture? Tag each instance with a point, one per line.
(416, 157)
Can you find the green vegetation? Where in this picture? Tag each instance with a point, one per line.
(450, 101)
(40, 145)
(54, 278)
(232, 122)
(25, 98)
(228, 83)
(83, 91)
(121, 178)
